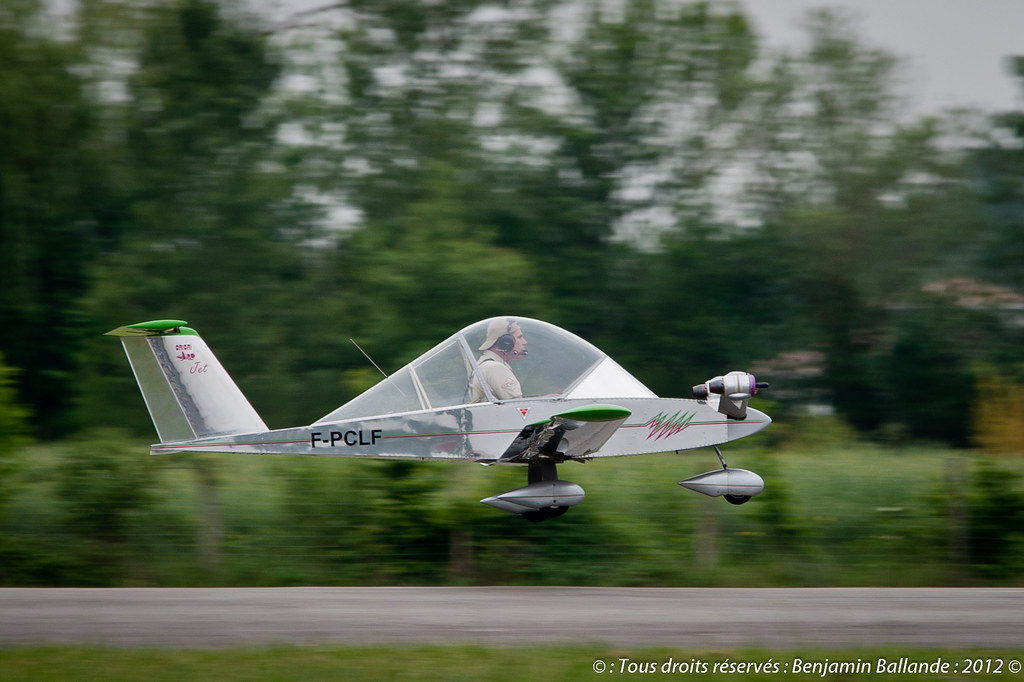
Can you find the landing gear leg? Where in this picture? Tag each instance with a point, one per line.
(539, 471)
(542, 470)
(720, 457)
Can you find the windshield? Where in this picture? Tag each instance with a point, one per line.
(541, 360)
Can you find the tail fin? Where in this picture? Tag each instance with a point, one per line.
(188, 392)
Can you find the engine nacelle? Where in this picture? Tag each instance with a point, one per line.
(737, 485)
(731, 393)
(537, 496)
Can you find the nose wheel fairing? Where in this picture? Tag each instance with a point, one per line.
(737, 486)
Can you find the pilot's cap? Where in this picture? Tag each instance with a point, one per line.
(499, 326)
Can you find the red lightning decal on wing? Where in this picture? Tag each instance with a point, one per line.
(662, 426)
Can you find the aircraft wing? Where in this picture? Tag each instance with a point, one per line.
(573, 434)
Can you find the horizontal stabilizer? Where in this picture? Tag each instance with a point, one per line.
(152, 328)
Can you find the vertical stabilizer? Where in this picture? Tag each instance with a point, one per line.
(188, 392)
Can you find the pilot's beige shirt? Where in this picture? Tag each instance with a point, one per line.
(499, 377)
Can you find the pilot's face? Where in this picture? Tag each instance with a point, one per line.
(520, 348)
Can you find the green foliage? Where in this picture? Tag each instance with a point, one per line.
(996, 168)
(929, 369)
(102, 489)
(996, 520)
(13, 419)
(702, 320)
(193, 62)
(404, 266)
(212, 223)
(366, 525)
(51, 194)
(100, 512)
(14, 439)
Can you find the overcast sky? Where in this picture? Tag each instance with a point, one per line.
(957, 49)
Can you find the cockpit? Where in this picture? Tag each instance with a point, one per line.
(558, 366)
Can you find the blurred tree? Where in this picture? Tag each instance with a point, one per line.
(996, 516)
(862, 211)
(706, 304)
(52, 187)
(14, 429)
(430, 259)
(213, 228)
(998, 412)
(102, 489)
(14, 419)
(415, 76)
(997, 169)
(367, 522)
(393, 140)
(629, 126)
(927, 376)
(204, 197)
(547, 134)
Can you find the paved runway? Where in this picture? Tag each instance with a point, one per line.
(628, 617)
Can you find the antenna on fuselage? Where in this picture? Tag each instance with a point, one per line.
(387, 377)
(366, 355)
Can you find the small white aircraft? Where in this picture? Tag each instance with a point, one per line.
(479, 396)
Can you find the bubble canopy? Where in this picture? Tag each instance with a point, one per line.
(558, 365)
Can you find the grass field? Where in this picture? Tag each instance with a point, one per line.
(465, 662)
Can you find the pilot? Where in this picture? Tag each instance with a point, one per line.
(505, 342)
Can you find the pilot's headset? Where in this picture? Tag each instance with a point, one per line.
(506, 342)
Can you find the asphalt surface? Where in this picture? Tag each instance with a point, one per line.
(628, 617)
